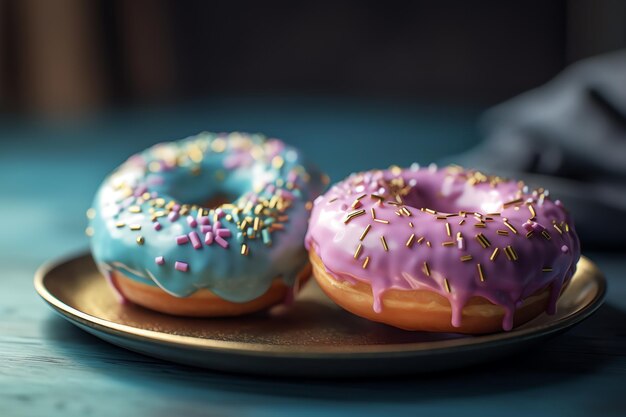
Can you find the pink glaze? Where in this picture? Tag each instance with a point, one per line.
(545, 248)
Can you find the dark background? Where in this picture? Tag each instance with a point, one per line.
(67, 58)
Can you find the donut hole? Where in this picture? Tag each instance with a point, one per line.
(216, 200)
(422, 196)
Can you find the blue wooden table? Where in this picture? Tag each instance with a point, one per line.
(48, 367)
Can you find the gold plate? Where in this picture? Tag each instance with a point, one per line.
(312, 338)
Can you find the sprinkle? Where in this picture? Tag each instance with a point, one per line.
(426, 269)
(428, 243)
(120, 224)
(411, 224)
(513, 203)
(366, 262)
(377, 197)
(448, 243)
(181, 266)
(509, 225)
(460, 242)
(157, 226)
(533, 213)
(529, 234)
(510, 253)
(567, 227)
(546, 269)
(502, 232)
(484, 242)
(89, 231)
(358, 250)
(265, 234)
(373, 213)
(220, 241)
(91, 213)
(135, 227)
(384, 243)
(446, 285)
(466, 258)
(461, 222)
(356, 204)
(159, 260)
(173, 216)
(195, 240)
(494, 254)
(409, 242)
(191, 221)
(354, 214)
(381, 221)
(406, 211)
(361, 197)
(244, 249)
(420, 240)
(558, 229)
(140, 240)
(256, 224)
(564, 249)
(182, 239)
(546, 234)
(134, 209)
(208, 238)
(367, 229)
(448, 230)
(430, 211)
(481, 275)
(480, 224)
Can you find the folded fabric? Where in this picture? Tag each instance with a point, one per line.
(568, 136)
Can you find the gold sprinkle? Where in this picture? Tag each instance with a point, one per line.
(377, 197)
(332, 200)
(448, 229)
(446, 285)
(493, 214)
(278, 162)
(502, 232)
(410, 224)
(480, 224)
(510, 253)
(567, 227)
(361, 196)
(256, 224)
(546, 269)
(494, 254)
(140, 240)
(462, 214)
(366, 262)
(135, 227)
(430, 211)
(89, 231)
(406, 211)
(244, 249)
(384, 243)
(484, 242)
(91, 213)
(448, 243)
(546, 234)
(353, 214)
(441, 217)
(367, 229)
(218, 145)
(529, 234)
(510, 226)
(373, 213)
(356, 204)
(461, 222)
(420, 240)
(120, 224)
(533, 213)
(428, 243)
(426, 269)
(513, 203)
(558, 229)
(409, 242)
(481, 275)
(381, 221)
(358, 250)
(478, 215)
(466, 258)
(134, 209)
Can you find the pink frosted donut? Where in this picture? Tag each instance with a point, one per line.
(441, 249)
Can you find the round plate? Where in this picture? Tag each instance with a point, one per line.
(314, 337)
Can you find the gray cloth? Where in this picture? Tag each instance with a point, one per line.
(568, 136)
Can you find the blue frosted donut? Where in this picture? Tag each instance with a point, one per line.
(150, 223)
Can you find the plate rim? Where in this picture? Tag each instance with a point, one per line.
(307, 351)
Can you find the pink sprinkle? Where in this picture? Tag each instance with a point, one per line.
(204, 220)
(217, 225)
(176, 207)
(173, 216)
(220, 241)
(159, 260)
(528, 226)
(140, 190)
(182, 239)
(208, 238)
(195, 240)
(191, 221)
(223, 232)
(157, 226)
(205, 228)
(564, 249)
(181, 266)
(220, 213)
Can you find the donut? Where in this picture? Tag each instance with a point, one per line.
(211, 225)
(442, 250)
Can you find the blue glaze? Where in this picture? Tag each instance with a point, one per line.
(264, 174)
